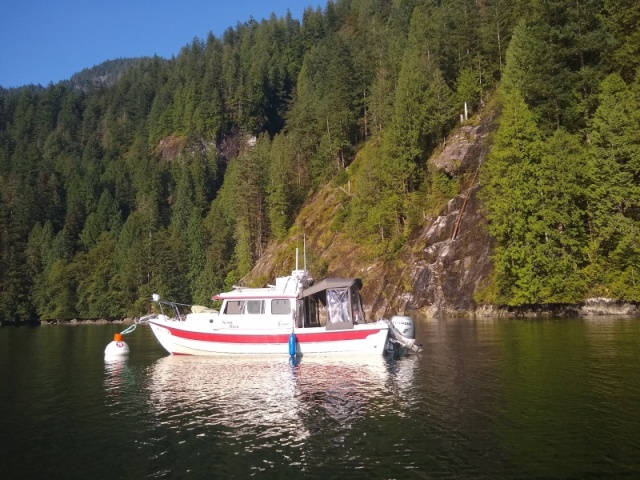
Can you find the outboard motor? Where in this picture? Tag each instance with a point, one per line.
(402, 333)
(404, 325)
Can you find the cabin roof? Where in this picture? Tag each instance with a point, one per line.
(320, 288)
(252, 293)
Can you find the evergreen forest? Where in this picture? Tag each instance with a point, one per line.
(176, 174)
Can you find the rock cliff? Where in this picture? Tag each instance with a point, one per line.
(448, 261)
(435, 273)
(444, 264)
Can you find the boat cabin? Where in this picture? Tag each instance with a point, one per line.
(333, 302)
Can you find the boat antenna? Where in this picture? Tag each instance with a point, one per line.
(304, 250)
(296, 258)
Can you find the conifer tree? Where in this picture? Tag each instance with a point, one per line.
(614, 198)
(95, 270)
(623, 19)
(509, 178)
(282, 192)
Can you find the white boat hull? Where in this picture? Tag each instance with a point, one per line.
(178, 338)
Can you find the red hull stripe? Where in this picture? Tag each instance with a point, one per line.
(330, 336)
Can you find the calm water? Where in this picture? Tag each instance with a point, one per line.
(486, 399)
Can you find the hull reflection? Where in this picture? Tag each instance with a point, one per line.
(271, 398)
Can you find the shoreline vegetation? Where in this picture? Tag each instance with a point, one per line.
(592, 307)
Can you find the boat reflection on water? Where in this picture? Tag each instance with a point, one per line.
(274, 399)
(114, 369)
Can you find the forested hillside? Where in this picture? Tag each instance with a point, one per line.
(176, 177)
(105, 74)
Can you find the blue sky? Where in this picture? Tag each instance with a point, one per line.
(43, 41)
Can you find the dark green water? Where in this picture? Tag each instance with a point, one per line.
(486, 399)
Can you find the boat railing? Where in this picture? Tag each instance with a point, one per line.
(175, 307)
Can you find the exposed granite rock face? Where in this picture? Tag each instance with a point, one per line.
(463, 149)
(445, 273)
(434, 273)
(607, 306)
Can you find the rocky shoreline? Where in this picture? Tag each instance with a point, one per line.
(98, 321)
(592, 307)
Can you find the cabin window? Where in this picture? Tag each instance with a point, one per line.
(281, 306)
(255, 306)
(234, 307)
(338, 305)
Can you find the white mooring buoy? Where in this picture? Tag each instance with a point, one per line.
(117, 348)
